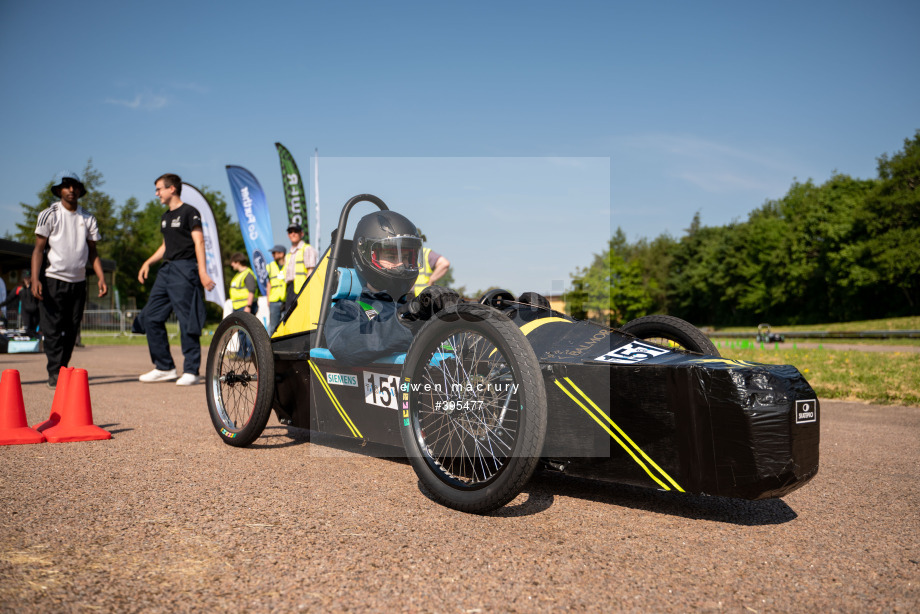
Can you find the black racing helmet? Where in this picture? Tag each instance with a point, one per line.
(387, 251)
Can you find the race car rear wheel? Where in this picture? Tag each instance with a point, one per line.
(473, 408)
(240, 379)
(669, 331)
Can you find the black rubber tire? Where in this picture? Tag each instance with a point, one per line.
(476, 456)
(497, 298)
(668, 328)
(240, 388)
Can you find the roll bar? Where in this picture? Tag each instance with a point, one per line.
(332, 266)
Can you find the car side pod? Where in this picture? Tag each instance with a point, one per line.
(71, 411)
(13, 426)
(750, 431)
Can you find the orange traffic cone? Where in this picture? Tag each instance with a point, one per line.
(76, 415)
(13, 426)
(60, 399)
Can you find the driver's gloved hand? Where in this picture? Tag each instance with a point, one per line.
(439, 298)
(432, 300)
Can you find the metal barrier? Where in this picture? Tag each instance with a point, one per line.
(114, 323)
(103, 323)
(13, 320)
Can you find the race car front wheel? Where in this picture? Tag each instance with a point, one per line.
(472, 408)
(240, 379)
(671, 332)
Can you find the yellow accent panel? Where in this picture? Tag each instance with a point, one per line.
(611, 433)
(597, 418)
(625, 436)
(527, 328)
(306, 314)
(530, 326)
(335, 402)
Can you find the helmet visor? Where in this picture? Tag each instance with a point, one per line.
(402, 253)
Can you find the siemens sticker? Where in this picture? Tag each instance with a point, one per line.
(342, 379)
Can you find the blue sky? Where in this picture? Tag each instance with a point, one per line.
(518, 135)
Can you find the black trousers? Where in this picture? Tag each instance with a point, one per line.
(30, 322)
(176, 289)
(61, 313)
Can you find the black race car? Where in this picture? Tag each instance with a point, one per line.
(490, 391)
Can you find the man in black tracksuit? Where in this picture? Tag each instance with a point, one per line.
(179, 287)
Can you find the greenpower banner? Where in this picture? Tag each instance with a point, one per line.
(294, 194)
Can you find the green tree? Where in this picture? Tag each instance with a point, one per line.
(146, 238)
(612, 290)
(655, 258)
(891, 223)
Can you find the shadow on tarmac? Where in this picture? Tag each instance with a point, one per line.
(108, 427)
(544, 487)
(697, 507)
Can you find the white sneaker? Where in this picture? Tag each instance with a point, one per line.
(158, 376)
(187, 379)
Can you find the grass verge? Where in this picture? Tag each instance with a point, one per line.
(891, 378)
(906, 323)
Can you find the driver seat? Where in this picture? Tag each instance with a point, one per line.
(349, 288)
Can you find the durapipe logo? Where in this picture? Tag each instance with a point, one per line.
(806, 411)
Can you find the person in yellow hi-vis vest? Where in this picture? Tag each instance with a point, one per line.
(277, 292)
(244, 289)
(433, 267)
(300, 263)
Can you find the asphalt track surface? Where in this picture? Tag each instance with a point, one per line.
(166, 518)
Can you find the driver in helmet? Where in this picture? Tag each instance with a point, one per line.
(386, 252)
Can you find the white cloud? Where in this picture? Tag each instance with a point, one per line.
(723, 181)
(712, 166)
(143, 102)
(694, 148)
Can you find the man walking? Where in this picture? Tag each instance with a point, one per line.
(65, 240)
(178, 287)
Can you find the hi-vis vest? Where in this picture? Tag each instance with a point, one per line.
(300, 271)
(239, 295)
(424, 273)
(277, 290)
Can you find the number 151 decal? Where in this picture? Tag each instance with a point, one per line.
(632, 353)
(380, 389)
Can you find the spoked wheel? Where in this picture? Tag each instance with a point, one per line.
(473, 411)
(240, 379)
(671, 332)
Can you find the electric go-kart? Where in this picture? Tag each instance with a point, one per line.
(490, 391)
